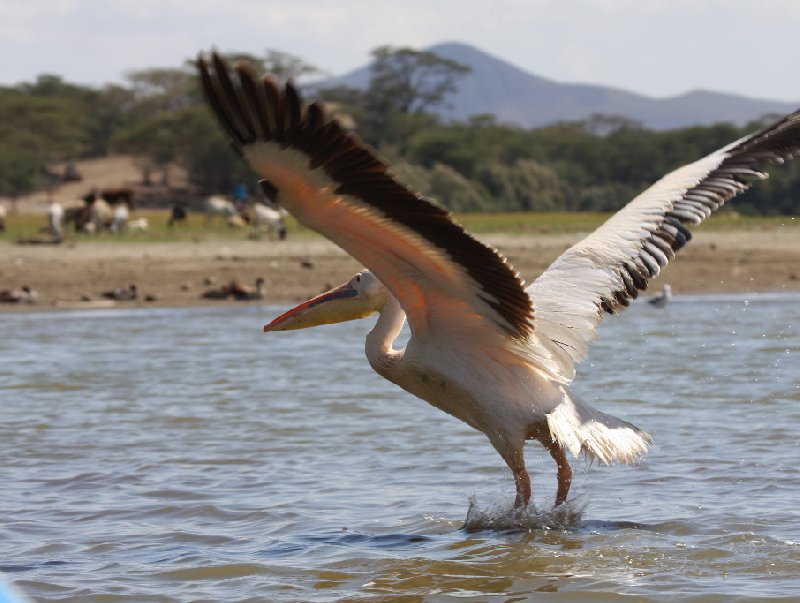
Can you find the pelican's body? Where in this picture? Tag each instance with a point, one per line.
(496, 389)
(483, 348)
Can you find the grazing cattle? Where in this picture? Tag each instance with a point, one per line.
(177, 213)
(119, 218)
(92, 215)
(138, 225)
(217, 205)
(236, 221)
(55, 219)
(3, 216)
(265, 217)
(101, 216)
(118, 195)
(74, 212)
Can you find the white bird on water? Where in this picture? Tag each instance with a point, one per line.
(483, 348)
(662, 298)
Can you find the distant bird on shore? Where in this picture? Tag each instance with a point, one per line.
(238, 291)
(483, 347)
(222, 292)
(242, 292)
(23, 295)
(128, 293)
(662, 298)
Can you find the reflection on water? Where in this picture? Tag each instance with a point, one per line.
(176, 455)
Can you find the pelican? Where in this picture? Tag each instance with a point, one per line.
(483, 347)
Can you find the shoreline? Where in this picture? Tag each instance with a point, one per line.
(175, 274)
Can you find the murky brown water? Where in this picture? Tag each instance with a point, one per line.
(181, 455)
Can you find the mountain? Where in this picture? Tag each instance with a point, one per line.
(515, 96)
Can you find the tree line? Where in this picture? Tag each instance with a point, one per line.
(597, 164)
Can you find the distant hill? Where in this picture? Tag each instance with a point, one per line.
(515, 96)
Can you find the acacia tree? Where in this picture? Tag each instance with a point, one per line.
(406, 85)
(40, 123)
(285, 66)
(412, 81)
(161, 90)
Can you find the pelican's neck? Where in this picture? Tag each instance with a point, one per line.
(382, 357)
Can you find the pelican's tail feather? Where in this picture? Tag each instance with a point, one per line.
(579, 427)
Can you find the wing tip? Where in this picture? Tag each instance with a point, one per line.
(249, 108)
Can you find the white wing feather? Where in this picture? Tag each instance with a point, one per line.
(607, 268)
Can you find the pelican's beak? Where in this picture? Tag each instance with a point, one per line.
(340, 304)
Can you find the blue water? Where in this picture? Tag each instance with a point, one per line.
(183, 455)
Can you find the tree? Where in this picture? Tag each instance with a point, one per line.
(161, 90)
(598, 163)
(282, 65)
(526, 185)
(601, 124)
(455, 192)
(40, 123)
(286, 66)
(406, 83)
(112, 111)
(444, 185)
(154, 140)
(20, 166)
(411, 81)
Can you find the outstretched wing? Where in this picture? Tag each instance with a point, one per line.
(607, 269)
(444, 279)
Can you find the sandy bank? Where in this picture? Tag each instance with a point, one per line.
(174, 273)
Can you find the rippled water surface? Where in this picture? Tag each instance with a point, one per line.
(182, 455)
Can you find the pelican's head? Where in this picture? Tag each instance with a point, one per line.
(359, 297)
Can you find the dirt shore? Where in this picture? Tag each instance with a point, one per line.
(176, 274)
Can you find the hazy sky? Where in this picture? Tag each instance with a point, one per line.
(654, 47)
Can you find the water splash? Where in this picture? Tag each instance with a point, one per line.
(504, 518)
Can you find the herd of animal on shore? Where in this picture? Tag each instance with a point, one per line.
(109, 211)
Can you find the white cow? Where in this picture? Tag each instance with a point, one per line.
(138, 225)
(119, 218)
(101, 216)
(271, 219)
(55, 218)
(217, 205)
(73, 213)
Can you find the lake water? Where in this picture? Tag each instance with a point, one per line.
(182, 455)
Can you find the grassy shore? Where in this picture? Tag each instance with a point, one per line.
(174, 266)
(25, 226)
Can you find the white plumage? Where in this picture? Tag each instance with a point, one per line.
(482, 348)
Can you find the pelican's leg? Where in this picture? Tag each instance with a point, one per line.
(521, 479)
(564, 471)
(523, 483)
